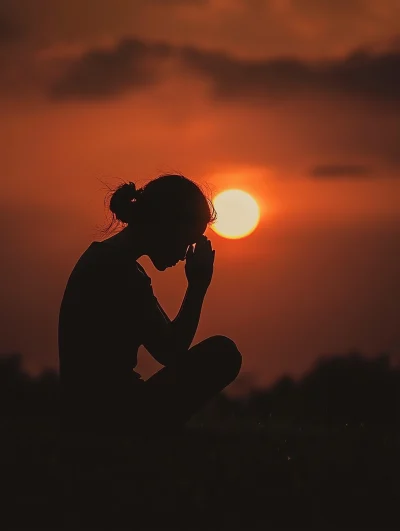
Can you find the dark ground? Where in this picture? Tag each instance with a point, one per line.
(246, 466)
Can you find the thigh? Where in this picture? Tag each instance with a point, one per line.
(177, 391)
(215, 359)
(189, 367)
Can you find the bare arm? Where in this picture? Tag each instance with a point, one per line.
(185, 324)
(166, 339)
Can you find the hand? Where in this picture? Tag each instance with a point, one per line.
(199, 264)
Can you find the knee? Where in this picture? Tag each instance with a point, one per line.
(226, 355)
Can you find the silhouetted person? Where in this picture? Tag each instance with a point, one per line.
(109, 309)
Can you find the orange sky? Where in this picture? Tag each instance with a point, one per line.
(295, 101)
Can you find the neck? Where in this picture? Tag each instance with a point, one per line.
(128, 239)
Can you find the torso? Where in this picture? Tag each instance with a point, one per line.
(99, 332)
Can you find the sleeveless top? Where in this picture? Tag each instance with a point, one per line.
(100, 330)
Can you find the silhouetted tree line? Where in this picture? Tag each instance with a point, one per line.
(23, 395)
(341, 390)
(348, 389)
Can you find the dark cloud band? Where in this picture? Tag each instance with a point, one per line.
(340, 170)
(133, 64)
(100, 74)
(10, 31)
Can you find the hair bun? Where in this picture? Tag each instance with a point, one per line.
(121, 201)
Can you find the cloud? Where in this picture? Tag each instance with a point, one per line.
(178, 2)
(362, 74)
(10, 31)
(103, 73)
(133, 63)
(252, 28)
(340, 170)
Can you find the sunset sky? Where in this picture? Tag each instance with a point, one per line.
(294, 101)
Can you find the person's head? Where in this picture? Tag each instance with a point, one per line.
(170, 213)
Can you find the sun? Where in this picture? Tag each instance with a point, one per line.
(238, 214)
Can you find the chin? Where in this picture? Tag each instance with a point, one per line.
(162, 265)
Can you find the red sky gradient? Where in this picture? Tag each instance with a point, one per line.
(295, 101)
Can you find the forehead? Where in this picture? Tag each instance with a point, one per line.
(190, 232)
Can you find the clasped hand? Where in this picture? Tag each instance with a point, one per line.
(199, 264)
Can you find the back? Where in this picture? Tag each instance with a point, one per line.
(99, 329)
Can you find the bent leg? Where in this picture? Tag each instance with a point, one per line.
(171, 396)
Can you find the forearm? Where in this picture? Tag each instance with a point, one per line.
(185, 324)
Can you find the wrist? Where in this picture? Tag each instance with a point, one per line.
(197, 289)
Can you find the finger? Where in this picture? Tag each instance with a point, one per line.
(200, 244)
(204, 249)
(189, 252)
(202, 240)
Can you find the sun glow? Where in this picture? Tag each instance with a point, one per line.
(238, 214)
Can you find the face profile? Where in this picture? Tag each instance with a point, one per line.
(167, 215)
(169, 244)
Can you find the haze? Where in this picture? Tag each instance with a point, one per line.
(296, 102)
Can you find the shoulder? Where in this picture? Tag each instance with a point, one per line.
(110, 262)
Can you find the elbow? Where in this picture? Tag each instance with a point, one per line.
(162, 351)
(169, 353)
(161, 356)
(167, 348)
